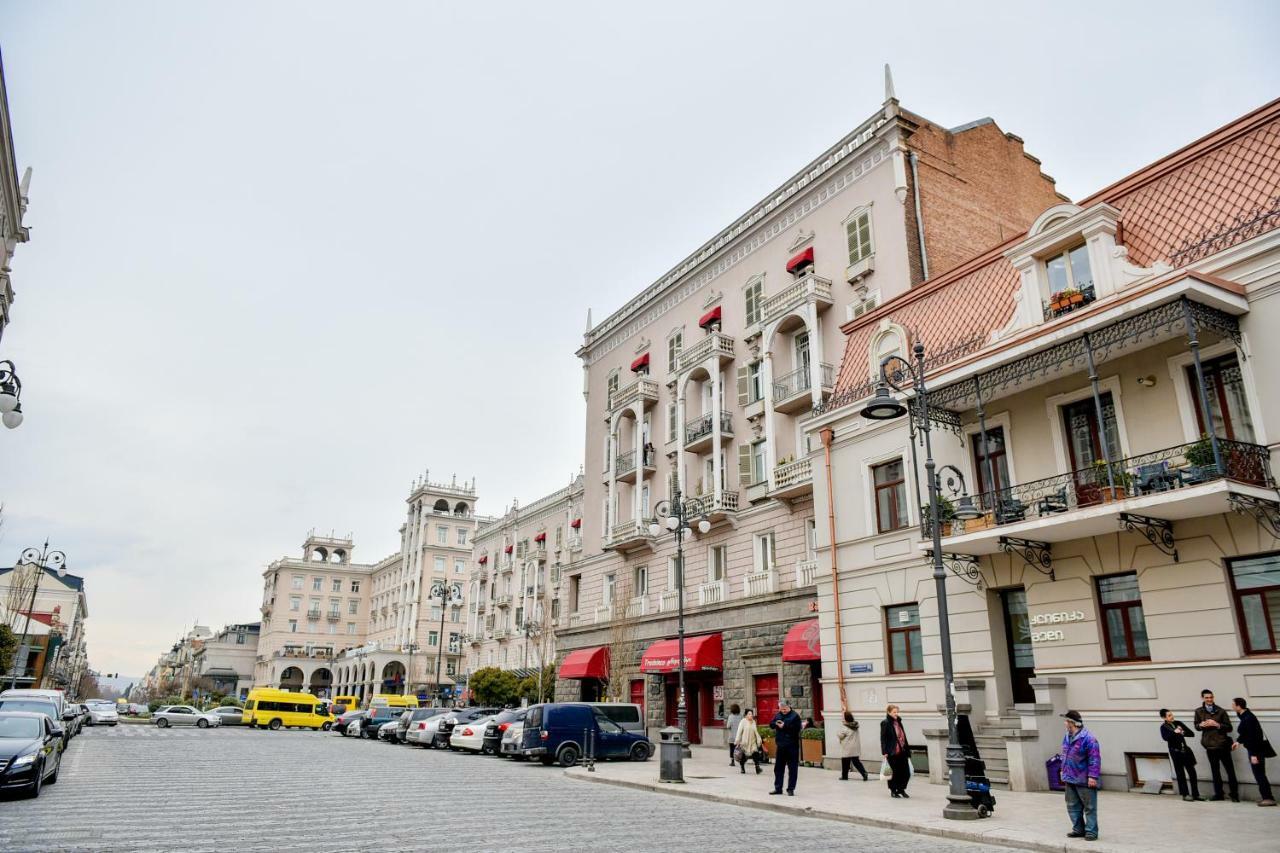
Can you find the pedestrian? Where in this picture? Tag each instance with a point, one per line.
(809, 723)
(1182, 755)
(850, 748)
(731, 728)
(786, 738)
(1081, 769)
(1254, 740)
(747, 742)
(1212, 722)
(896, 751)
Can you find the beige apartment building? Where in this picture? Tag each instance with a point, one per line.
(703, 381)
(13, 204)
(1105, 383)
(519, 560)
(227, 659)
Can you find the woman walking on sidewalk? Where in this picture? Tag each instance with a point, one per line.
(850, 748)
(747, 743)
(896, 751)
(731, 729)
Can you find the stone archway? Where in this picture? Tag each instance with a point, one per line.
(392, 680)
(291, 679)
(321, 682)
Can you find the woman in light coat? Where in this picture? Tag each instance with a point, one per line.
(850, 748)
(747, 742)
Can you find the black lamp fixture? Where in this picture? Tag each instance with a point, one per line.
(883, 407)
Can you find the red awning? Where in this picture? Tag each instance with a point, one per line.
(483, 560)
(712, 316)
(586, 663)
(576, 523)
(510, 548)
(802, 644)
(805, 257)
(640, 363)
(700, 653)
(541, 537)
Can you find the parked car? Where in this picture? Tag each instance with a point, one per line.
(511, 740)
(37, 705)
(497, 727)
(184, 715)
(626, 714)
(387, 731)
(554, 732)
(345, 720)
(421, 726)
(57, 697)
(71, 719)
(102, 714)
(229, 714)
(469, 736)
(30, 754)
(448, 722)
(376, 718)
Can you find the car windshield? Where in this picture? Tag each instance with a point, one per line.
(25, 728)
(35, 705)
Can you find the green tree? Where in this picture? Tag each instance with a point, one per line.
(8, 647)
(539, 687)
(493, 686)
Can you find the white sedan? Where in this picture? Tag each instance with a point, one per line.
(102, 714)
(469, 737)
(511, 738)
(184, 715)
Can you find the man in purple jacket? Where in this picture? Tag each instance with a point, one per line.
(1081, 768)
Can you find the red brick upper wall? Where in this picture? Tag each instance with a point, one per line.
(978, 188)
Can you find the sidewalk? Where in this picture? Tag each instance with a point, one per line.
(1129, 823)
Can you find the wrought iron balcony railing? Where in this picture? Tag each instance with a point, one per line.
(704, 425)
(800, 382)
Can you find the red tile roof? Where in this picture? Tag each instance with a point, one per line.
(1216, 192)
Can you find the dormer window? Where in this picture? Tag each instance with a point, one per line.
(1070, 281)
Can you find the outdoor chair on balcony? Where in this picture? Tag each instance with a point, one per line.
(1153, 478)
(1009, 509)
(1053, 503)
(1195, 474)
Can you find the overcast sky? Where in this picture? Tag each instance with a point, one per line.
(286, 256)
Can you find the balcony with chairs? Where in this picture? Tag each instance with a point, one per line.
(715, 345)
(793, 392)
(802, 290)
(699, 433)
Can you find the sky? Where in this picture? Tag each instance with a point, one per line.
(285, 257)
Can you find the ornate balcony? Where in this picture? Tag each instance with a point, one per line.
(642, 389)
(806, 573)
(603, 614)
(713, 592)
(793, 392)
(806, 288)
(719, 508)
(333, 616)
(669, 602)
(624, 466)
(503, 601)
(714, 344)
(699, 433)
(629, 535)
(481, 606)
(500, 634)
(793, 478)
(638, 606)
(760, 583)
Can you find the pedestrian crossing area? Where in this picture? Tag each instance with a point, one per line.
(146, 730)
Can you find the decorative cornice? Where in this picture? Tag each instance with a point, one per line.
(713, 296)
(802, 239)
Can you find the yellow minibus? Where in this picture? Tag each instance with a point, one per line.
(268, 708)
(348, 703)
(393, 700)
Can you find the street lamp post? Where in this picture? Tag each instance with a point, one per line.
(408, 676)
(10, 397)
(674, 515)
(882, 408)
(42, 559)
(447, 593)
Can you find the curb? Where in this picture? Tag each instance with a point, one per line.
(809, 812)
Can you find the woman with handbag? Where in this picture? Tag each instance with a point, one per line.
(1250, 735)
(850, 748)
(747, 742)
(1181, 754)
(896, 752)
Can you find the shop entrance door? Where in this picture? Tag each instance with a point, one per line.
(815, 687)
(1017, 636)
(692, 706)
(766, 697)
(637, 694)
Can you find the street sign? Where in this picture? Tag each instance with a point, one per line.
(861, 668)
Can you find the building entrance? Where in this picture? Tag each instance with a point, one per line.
(1017, 636)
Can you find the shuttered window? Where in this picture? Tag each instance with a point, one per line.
(753, 293)
(857, 230)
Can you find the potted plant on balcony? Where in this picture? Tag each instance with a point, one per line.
(946, 514)
(1106, 492)
(811, 745)
(766, 738)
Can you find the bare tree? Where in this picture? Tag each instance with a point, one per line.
(17, 596)
(622, 643)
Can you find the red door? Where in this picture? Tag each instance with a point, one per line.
(815, 685)
(766, 697)
(637, 694)
(692, 704)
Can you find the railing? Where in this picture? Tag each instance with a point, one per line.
(575, 619)
(704, 425)
(801, 382)
(628, 530)
(1064, 303)
(481, 607)
(806, 572)
(313, 614)
(728, 502)
(475, 640)
(638, 606)
(796, 294)
(713, 344)
(640, 387)
(503, 601)
(575, 543)
(761, 583)
(711, 593)
(625, 463)
(500, 633)
(792, 473)
(333, 616)
(1167, 470)
(669, 602)
(602, 614)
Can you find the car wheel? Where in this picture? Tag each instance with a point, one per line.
(36, 785)
(162, 723)
(640, 752)
(274, 725)
(326, 726)
(568, 755)
(53, 778)
(202, 724)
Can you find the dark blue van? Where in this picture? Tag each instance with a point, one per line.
(563, 731)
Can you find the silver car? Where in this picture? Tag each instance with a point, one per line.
(229, 715)
(184, 715)
(102, 714)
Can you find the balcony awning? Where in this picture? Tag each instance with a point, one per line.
(586, 663)
(541, 537)
(640, 363)
(700, 653)
(576, 523)
(712, 316)
(508, 549)
(805, 257)
(802, 644)
(483, 560)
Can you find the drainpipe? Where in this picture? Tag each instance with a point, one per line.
(828, 434)
(915, 194)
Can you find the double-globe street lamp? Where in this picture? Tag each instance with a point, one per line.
(44, 560)
(448, 593)
(894, 370)
(675, 515)
(10, 395)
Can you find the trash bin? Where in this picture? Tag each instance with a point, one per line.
(670, 755)
(1053, 769)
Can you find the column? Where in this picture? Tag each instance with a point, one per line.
(768, 412)
(815, 355)
(613, 476)
(637, 411)
(678, 466)
(717, 405)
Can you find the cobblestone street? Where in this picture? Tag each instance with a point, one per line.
(140, 788)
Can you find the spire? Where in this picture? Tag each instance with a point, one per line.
(588, 321)
(888, 84)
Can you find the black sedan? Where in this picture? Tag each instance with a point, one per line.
(497, 726)
(30, 751)
(38, 705)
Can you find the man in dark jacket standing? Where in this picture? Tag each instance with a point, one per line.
(1213, 724)
(1255, 743)
(786, 737)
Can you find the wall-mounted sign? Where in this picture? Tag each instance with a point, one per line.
(1047, 636)
(813, 607)
(1057, 618)
(717, 692)
(861, 668)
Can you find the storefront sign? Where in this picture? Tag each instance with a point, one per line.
(1047, 636)
(861, 668)
(717, 692)
(1057, 618)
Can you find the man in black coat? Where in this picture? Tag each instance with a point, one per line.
(1214, 725)
(1249, 734)
(1180, 754)
(786, 737)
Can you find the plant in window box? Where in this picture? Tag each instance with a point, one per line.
(946, 514)
(811, 745)
(1122, 479)
(1066, 298)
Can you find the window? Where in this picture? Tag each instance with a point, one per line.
(753, 294)
(240, 638)
(1070, 271)
(902, 623)
(575, 592)
(442, 535)
(673, 421)
(640, 585)
(433, 638)
(337, 585)
(334, 607)
(1228, 406)
(717, 562)
(995, 453)
(439, 565)
(355, 586)
(333, 628)
(353, 606)
(857, 230)
(317, 583)
(459, 566)
(1122, 622)
(1255, 582)
(758, 474)
(891, 496)
(462, 536)
(297, 581)
(293, 626)
(295, 602)
(455, 613)
(351, 627)
(675, 343)
(755, 381)
(610, 586)
(762, 552)
(612, 383)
